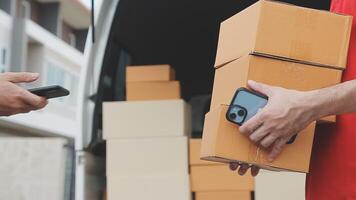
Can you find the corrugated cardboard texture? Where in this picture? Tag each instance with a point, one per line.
(158, 90)
(287, 31)
(194, 154)
(166, 118)
(224, 195)
(274, 72)
(150, 156)
(152, 188)
(219, 178)
(222, 142)
(150, 73)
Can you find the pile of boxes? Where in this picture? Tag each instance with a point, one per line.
(155, 82)
(215, 181)
(281, 45)
(147, 140)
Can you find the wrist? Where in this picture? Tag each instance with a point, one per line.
(318, 104)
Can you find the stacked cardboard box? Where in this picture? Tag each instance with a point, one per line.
(214, 181)
(151, 83)
(147, 143)
(281, 45)
(271, 185)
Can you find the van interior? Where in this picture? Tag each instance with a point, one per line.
(181, 33)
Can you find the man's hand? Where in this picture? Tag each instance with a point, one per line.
(287, 113)
(14, 99)
(243, 168)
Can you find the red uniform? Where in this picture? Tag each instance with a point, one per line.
(333, 165)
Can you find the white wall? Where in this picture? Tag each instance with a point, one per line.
(68, 73)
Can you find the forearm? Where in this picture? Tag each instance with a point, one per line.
(334, 100)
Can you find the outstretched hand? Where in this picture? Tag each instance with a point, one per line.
(14, 99)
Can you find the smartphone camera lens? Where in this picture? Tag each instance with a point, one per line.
(241, 113)
(232, 116)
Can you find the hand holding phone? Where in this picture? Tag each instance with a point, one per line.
(50, 92)
(246, 104)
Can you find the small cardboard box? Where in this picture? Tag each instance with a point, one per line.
(166, 118)
(219, 178)
(150, 73)
(152, 90)
(222, 142)
(283, 30)
(148, 156)
(194, 154)
(174, 187)
(274, 72)
(224, 195)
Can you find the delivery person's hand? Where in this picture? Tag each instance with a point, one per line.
(14, 99)
(243, 168)
(287, 113)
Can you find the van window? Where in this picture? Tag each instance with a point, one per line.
(56, 75)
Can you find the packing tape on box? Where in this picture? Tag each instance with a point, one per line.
(255, 154)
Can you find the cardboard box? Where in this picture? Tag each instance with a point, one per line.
(146, 119)
(224, 195)
(194, 154)
(219, 178)
(267, 183)
(274, 72)
(150, 156)
(154, 90)
(283, 30)
(222, 142)
(150, 73)
(152, 188)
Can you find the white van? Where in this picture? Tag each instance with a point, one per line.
(181, 33)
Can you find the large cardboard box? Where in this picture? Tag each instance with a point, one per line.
(222, 142)
(194, 154)
(219, 178)
(280, 186)
(274, 72)
(152, 90)
(282, 30)
(224, 195)
(146, 119)
(150, 73)
(150, 188)
(149, 156)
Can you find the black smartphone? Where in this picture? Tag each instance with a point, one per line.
(50, 92)
(246, 104)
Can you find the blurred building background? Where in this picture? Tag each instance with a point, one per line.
(47, 37)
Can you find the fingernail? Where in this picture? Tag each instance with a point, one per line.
(241, 173)
(35, 75)
(251, 82)
(233, 166)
